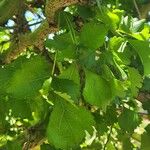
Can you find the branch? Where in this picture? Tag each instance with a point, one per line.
(37, 37)
(143, 96)
(29, 39)
(144, 9)
(54, 5)
(137, 9)
(8, 8)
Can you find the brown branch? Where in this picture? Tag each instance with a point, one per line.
(144, 9)
(8, 8)
(54, 5)
(37, 37)
(26, 40)
(36, 3)
(142, 96)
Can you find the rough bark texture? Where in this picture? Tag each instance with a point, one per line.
(8, 8)
(37, 37)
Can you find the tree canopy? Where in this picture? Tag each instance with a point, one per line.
(74, 75)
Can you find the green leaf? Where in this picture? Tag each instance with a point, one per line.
(125, 54)
(129, 120)
(68, 82)
(145, 143)
(27, 80)
(60, 42)
(132, 25)
(67, 124)
(13, 145)
(71, 73)
(24, 108)
(97, 90)
(126, 24)
(126, 142)
(93, 35)
(143, 50)
(106, 72)
(85, 11)
(46, 147)
(110, 116)
(66, 86)
(146, 105)
(87, 58)
(118, 88)
(110, 146)
(146, 84)
(115, 44)
(39, 106)
(120, 69)
(61, 18)
(6, 73)
(101, 125)
(118, 46)
(22, 81)
(20, 107)
(111, 18)
(138, 25)
(64, 45)
(143, 35)
(3, 114)
(114, 18)
(135, 80)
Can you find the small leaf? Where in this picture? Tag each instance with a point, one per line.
(135, 79)
(97, 90)
(146, 84)
(71, 73)
(110, 146)
(13, 145)
(110, 116)
(28, 79)
(20, 107)
(46, 147)
(64, 45)
(111, 18)
(115, 43)
(138, 25)
(143, 50)
(3, 114)
(118, 88)
(66, 86)
(129, 120)
(145, 139)
(85, 11)
(5, 74)
(93, 35)
(126, 143)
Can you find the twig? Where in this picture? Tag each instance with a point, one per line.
(13, 27)
(54, 64)
(137, 9)
(33, 24)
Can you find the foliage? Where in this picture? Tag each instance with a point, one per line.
(81, 81)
